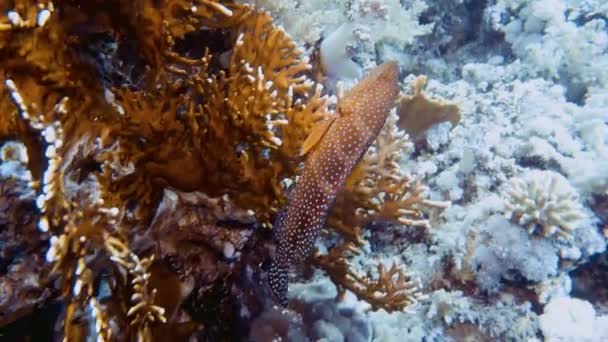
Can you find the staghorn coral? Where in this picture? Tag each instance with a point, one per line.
(543, 202)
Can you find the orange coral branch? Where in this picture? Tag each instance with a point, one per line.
(417, 113)
(393, 290)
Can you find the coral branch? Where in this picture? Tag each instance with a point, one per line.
(143, 311)
(378, 189)
(393, 290)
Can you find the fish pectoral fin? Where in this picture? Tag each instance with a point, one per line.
(316, 134)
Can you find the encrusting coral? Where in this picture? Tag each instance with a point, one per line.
(157, 127)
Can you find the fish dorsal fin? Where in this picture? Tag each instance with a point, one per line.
(316, 134)
(342, 106)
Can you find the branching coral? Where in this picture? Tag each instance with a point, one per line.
(543, 202)
(379, 189)
(143, 311)
(260, 93)
(107, 130)
(157, 127)
(392, 290)
(245, 109)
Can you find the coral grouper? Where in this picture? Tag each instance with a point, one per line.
(336, 146)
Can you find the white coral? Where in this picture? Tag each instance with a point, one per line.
(13, 151)
(543, 199)
(572, 319)
(557, 37)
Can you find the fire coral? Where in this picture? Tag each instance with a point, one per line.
(160, 136)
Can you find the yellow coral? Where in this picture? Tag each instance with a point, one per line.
(379, 189)
(121, 102)
(417, 113)
(229, 123)
(392, 290)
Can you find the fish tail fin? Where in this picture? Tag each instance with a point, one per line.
(277, 279)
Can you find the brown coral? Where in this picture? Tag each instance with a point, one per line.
(128, 106)
(115, 103)
(393, 290)
(379, 188)
(417, 113)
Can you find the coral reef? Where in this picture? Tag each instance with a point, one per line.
(556, 45)
(392, 291)
(531, 97)
(373, 22)
(22, 284)
(316, 315)
(148, 147)
(494, 258)
(151, 146)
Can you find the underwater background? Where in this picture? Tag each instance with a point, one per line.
(274, 170)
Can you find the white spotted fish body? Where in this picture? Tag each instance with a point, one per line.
(363, 111)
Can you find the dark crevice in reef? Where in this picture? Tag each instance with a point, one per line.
(576, 92)
(585, 18)
(538, 162)
(386, 233)
(215, 308)
(115, 60)
(599, 205)
(37, 325)
(85, 168)
(469, 191)
(461, 34)
(589, 281)
(475, 9)
(464, 24)
(194, 44)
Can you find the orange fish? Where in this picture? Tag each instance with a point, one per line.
(334, 147)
